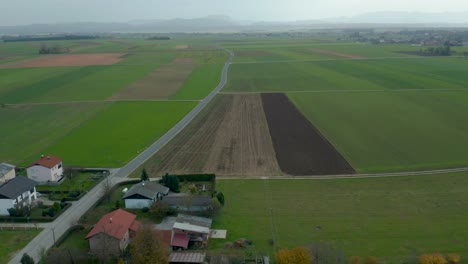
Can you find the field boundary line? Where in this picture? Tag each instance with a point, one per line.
(350, 91)
(348, 59)
(346, 176)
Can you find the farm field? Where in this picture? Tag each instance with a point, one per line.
(119, 133)
(380, 74)
(200, 83)
(392, 131)
(229, 137)
(28, 130)
(390, 218)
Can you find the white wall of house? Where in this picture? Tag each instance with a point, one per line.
(6, 204)
(10, 175)
(42, 174)
(137, 203)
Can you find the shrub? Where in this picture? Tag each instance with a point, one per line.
(145, 209)
(435, 258)
(453, 258)
(370, 260)
(355, 260)
(220, 197)
(296, 256)
(51, 212)
(117, 204)
(74, 193)
(171, 182)
(26, 259)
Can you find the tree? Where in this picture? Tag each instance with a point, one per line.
(26, 259)
(147, 246)
(144, 175)
(355, 260)
(294, 256)
(106, 189)
(323, 253)
(171, 182)
(220, 197)
(435, 258)
(159, 209)
(370, 260)
(453, 258)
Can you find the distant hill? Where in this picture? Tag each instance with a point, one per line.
(226, 24)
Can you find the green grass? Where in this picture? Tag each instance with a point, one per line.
(389, 218)
(392, 131)
(119, 133)
(14, 240)
(79, 181)
(200, 83)
(28, 130)
(417, 73)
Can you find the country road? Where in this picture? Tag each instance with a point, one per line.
(57, 228)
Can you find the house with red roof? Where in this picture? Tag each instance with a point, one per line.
(47, 169)
(112, 234)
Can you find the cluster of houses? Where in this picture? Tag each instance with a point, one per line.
(19, 190)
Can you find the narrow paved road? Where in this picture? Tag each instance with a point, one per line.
(56, 229)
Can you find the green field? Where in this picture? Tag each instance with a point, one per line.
(389, 218)
(417, 73)
(200, 83)
(28, 130)
(14, 240)
(119, 133)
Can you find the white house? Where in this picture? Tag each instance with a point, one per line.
(20, 190)
(7, 172)
(143, 194)
(46, 169)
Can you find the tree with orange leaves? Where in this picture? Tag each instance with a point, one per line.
(294, 256)
(435, 258)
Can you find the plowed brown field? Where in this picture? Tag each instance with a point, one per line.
(230, 137)
(300, 148)
(162, 83)
(67, 60)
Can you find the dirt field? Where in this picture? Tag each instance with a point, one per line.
(300, 148)
(182, 47)
(67, 60)
(230, 137)
(162, 83)
(339, 54)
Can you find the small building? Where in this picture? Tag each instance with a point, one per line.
(187, 258)
(189, 203)
(112, 234)
(47, 169)
(143, 194)
(17, 191)
(7, 172)
(188, 229)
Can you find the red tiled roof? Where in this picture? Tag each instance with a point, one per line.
(47, 161)
(180, 240)
(115, 224)
(135, 225)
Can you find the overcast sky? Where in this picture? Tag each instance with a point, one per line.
(20, 12)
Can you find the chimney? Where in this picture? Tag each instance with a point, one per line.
(110, 220)
(143, 184)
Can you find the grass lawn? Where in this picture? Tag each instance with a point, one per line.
(79, 181)
(14, 240)
(389, 218)
(413, 73)
(392, 131)
(119, 133)
(200, 83)
(28, 130)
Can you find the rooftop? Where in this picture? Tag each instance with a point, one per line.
(191, 228)
(115, 224)
(46, 161)
(184, 200)
(147, 189)
(187, 257)
(15, 187)
(194, 220)
(5, 168)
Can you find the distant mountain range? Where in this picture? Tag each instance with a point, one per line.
(226, 24)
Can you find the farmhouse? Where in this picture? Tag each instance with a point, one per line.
(7, 172)
(188, 228)
(112, 234)
(189, 203)
(143, 194)
(19, 191)
(47, 169)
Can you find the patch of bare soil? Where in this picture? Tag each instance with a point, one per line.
(162, 83)
(67, 60)
(229, 137)
(300, 147)
(182, 46)
(339, 54)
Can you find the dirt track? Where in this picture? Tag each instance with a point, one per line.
(300, 147)
(67, 60)
(230, 137)
(162, 83)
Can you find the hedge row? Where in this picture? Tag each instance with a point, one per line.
(10, 219)
(197, 177)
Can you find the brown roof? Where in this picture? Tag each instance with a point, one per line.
(115, 224)
(47, 161)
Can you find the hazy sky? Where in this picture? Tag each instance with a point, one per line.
(17, 12)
